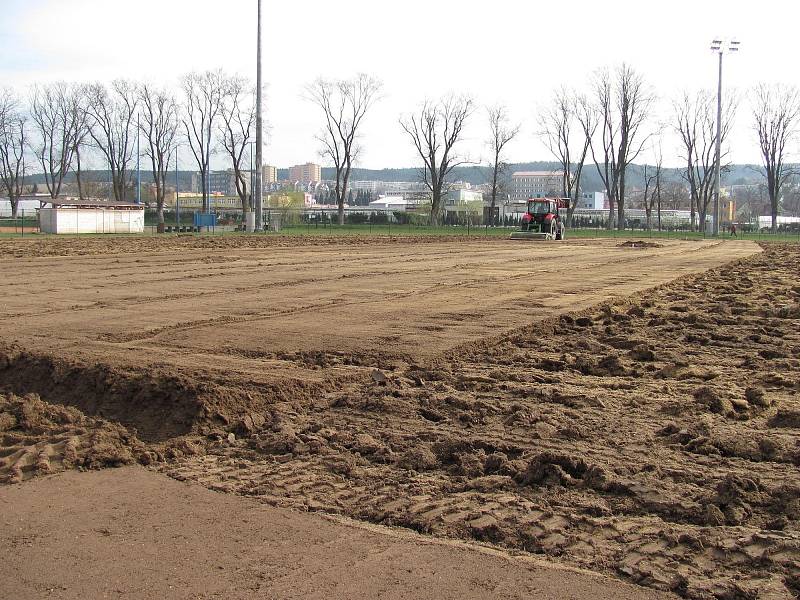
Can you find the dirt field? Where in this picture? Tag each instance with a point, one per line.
(439, 386)
(172, 541)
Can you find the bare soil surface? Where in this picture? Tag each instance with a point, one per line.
(205, 327)
(574, 411)
(656, 437)
(130, 533)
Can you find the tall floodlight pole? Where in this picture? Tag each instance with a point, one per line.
(720, 47)
(259, 134)
(138, 163)
(177, 192)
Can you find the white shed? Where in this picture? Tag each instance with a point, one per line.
(91, 216)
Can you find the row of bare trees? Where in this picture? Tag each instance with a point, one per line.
(615, 122)
(60, 122)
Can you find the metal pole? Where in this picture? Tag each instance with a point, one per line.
(138, 163)
(259, 133)
(252, 177)
(717, 165)
(177, 193)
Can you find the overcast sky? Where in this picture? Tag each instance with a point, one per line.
(505, 51)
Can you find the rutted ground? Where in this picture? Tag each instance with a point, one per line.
(655, 437)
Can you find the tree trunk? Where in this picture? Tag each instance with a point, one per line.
(621, 199)
(14, 207)
(435, 200)
(341, 211)
(774, 208)
(659, 213)
(78, 173)
(161, 216)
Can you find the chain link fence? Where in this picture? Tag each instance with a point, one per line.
(325, 221)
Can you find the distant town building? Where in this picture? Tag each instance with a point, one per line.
(462, 196)
(365, 186)
(592, 201)
(224, 182)
(400, 187)
(535, 184)
(270, 175)
(392, 203)
(305, 174)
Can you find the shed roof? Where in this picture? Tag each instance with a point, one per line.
(76, 203)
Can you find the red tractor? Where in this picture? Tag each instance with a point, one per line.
(542, 220)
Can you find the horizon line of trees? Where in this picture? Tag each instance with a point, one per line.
(607, 126)
(56, 125)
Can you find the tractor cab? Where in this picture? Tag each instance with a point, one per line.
(542, 219)
(541, 207)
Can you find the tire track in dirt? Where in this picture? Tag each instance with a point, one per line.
(627, 444)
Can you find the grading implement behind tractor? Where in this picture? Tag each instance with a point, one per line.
(542, 220)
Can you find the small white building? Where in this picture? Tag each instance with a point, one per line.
(393, 203)
(592, 201)
(91, 216)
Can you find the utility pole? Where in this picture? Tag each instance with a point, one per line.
(720, 47)
(177, 192)
(259, 135)
(138, 163)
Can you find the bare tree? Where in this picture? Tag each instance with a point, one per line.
(82, 136)
(558, 123)
(159, 125)
(623, 103)
(56, 114)
(674, 196)
(653, 181)
(501, 133)
(112, 118)
(435, 131)
(345, 104)
(204, 93)
(776, 111)
(695, 121)
(238, 112)
(12, 147)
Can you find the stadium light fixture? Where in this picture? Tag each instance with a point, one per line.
(721, 47)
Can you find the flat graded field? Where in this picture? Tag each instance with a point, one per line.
(633, 411)
(261, 313)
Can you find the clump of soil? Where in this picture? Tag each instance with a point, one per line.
(639, 244)
(37, 438)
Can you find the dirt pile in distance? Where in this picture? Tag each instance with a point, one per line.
(639, 244)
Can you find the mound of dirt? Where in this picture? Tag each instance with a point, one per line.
(639, 244)
(157, 406)
(38, 438)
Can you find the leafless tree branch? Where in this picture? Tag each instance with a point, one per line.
(435, 131)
